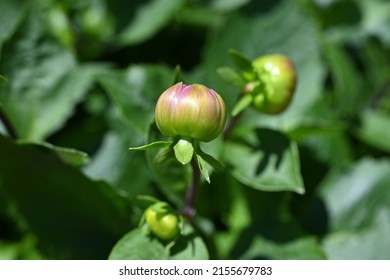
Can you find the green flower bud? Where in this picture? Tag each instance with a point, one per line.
(278, 80)
(190, 112)
(162, 222)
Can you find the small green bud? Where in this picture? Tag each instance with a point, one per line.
(190, 112)
(277, 79)
(162, 222)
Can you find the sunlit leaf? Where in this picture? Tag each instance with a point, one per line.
(136, 245)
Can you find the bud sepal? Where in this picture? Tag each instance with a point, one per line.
(184, 151)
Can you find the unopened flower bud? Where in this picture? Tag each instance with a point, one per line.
(190, 112)
(162, 221)
(279, 79)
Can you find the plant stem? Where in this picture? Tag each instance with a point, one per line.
(189, 210)
(7, 124)
(379, 95)
(233, 121)
(230, 126)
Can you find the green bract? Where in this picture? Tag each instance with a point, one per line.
(277, 79)
(163, 223)
(190, 111)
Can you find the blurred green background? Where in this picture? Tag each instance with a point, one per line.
(78, 84)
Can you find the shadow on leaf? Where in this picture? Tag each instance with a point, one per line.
(271, 143)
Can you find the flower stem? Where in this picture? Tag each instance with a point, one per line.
(189, 210)
(230, 126)
(232, 121)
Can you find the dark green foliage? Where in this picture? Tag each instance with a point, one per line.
(79, 81)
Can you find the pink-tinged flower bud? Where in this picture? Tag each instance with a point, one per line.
(279, 78)
(190, 111)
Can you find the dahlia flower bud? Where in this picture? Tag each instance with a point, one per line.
(279, 77)
(190, 112)
(162, 221)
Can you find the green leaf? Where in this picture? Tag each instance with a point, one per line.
(232, 77)
(3, 80)
(135, 92)
(210, 160)
(228, 5)
(44, 81)
(354, 196)
(202, 167)
(295, 37)
(8, 250)
(115, 165)
(375, 14)
(72, 216)
(136, 245)
(241, 61)
(184, 151)
(189, 246)
(365, 244)
(374, 129)
(349, 89)
(171, 177)
(305, 248)
(26, 249)
(270, 162)
(149, 19)
(11, 13)
(177, 75)
(68, 155)
(200, 16)
(153, 145)
(243, 103)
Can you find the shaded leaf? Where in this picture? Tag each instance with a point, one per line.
(114, 163)
(135, 92)
(375, 129)
(68, 155)
(171, 176)
(11, 13)
(354, 196)
(149, 19)
(189, 246)
(305, 248)
(3, 80)
(349, 92)
(365, 244)
(44, 81)
(269, 163)
(228, 5)
(73, 217)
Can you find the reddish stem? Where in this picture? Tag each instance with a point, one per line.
(189, 210)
